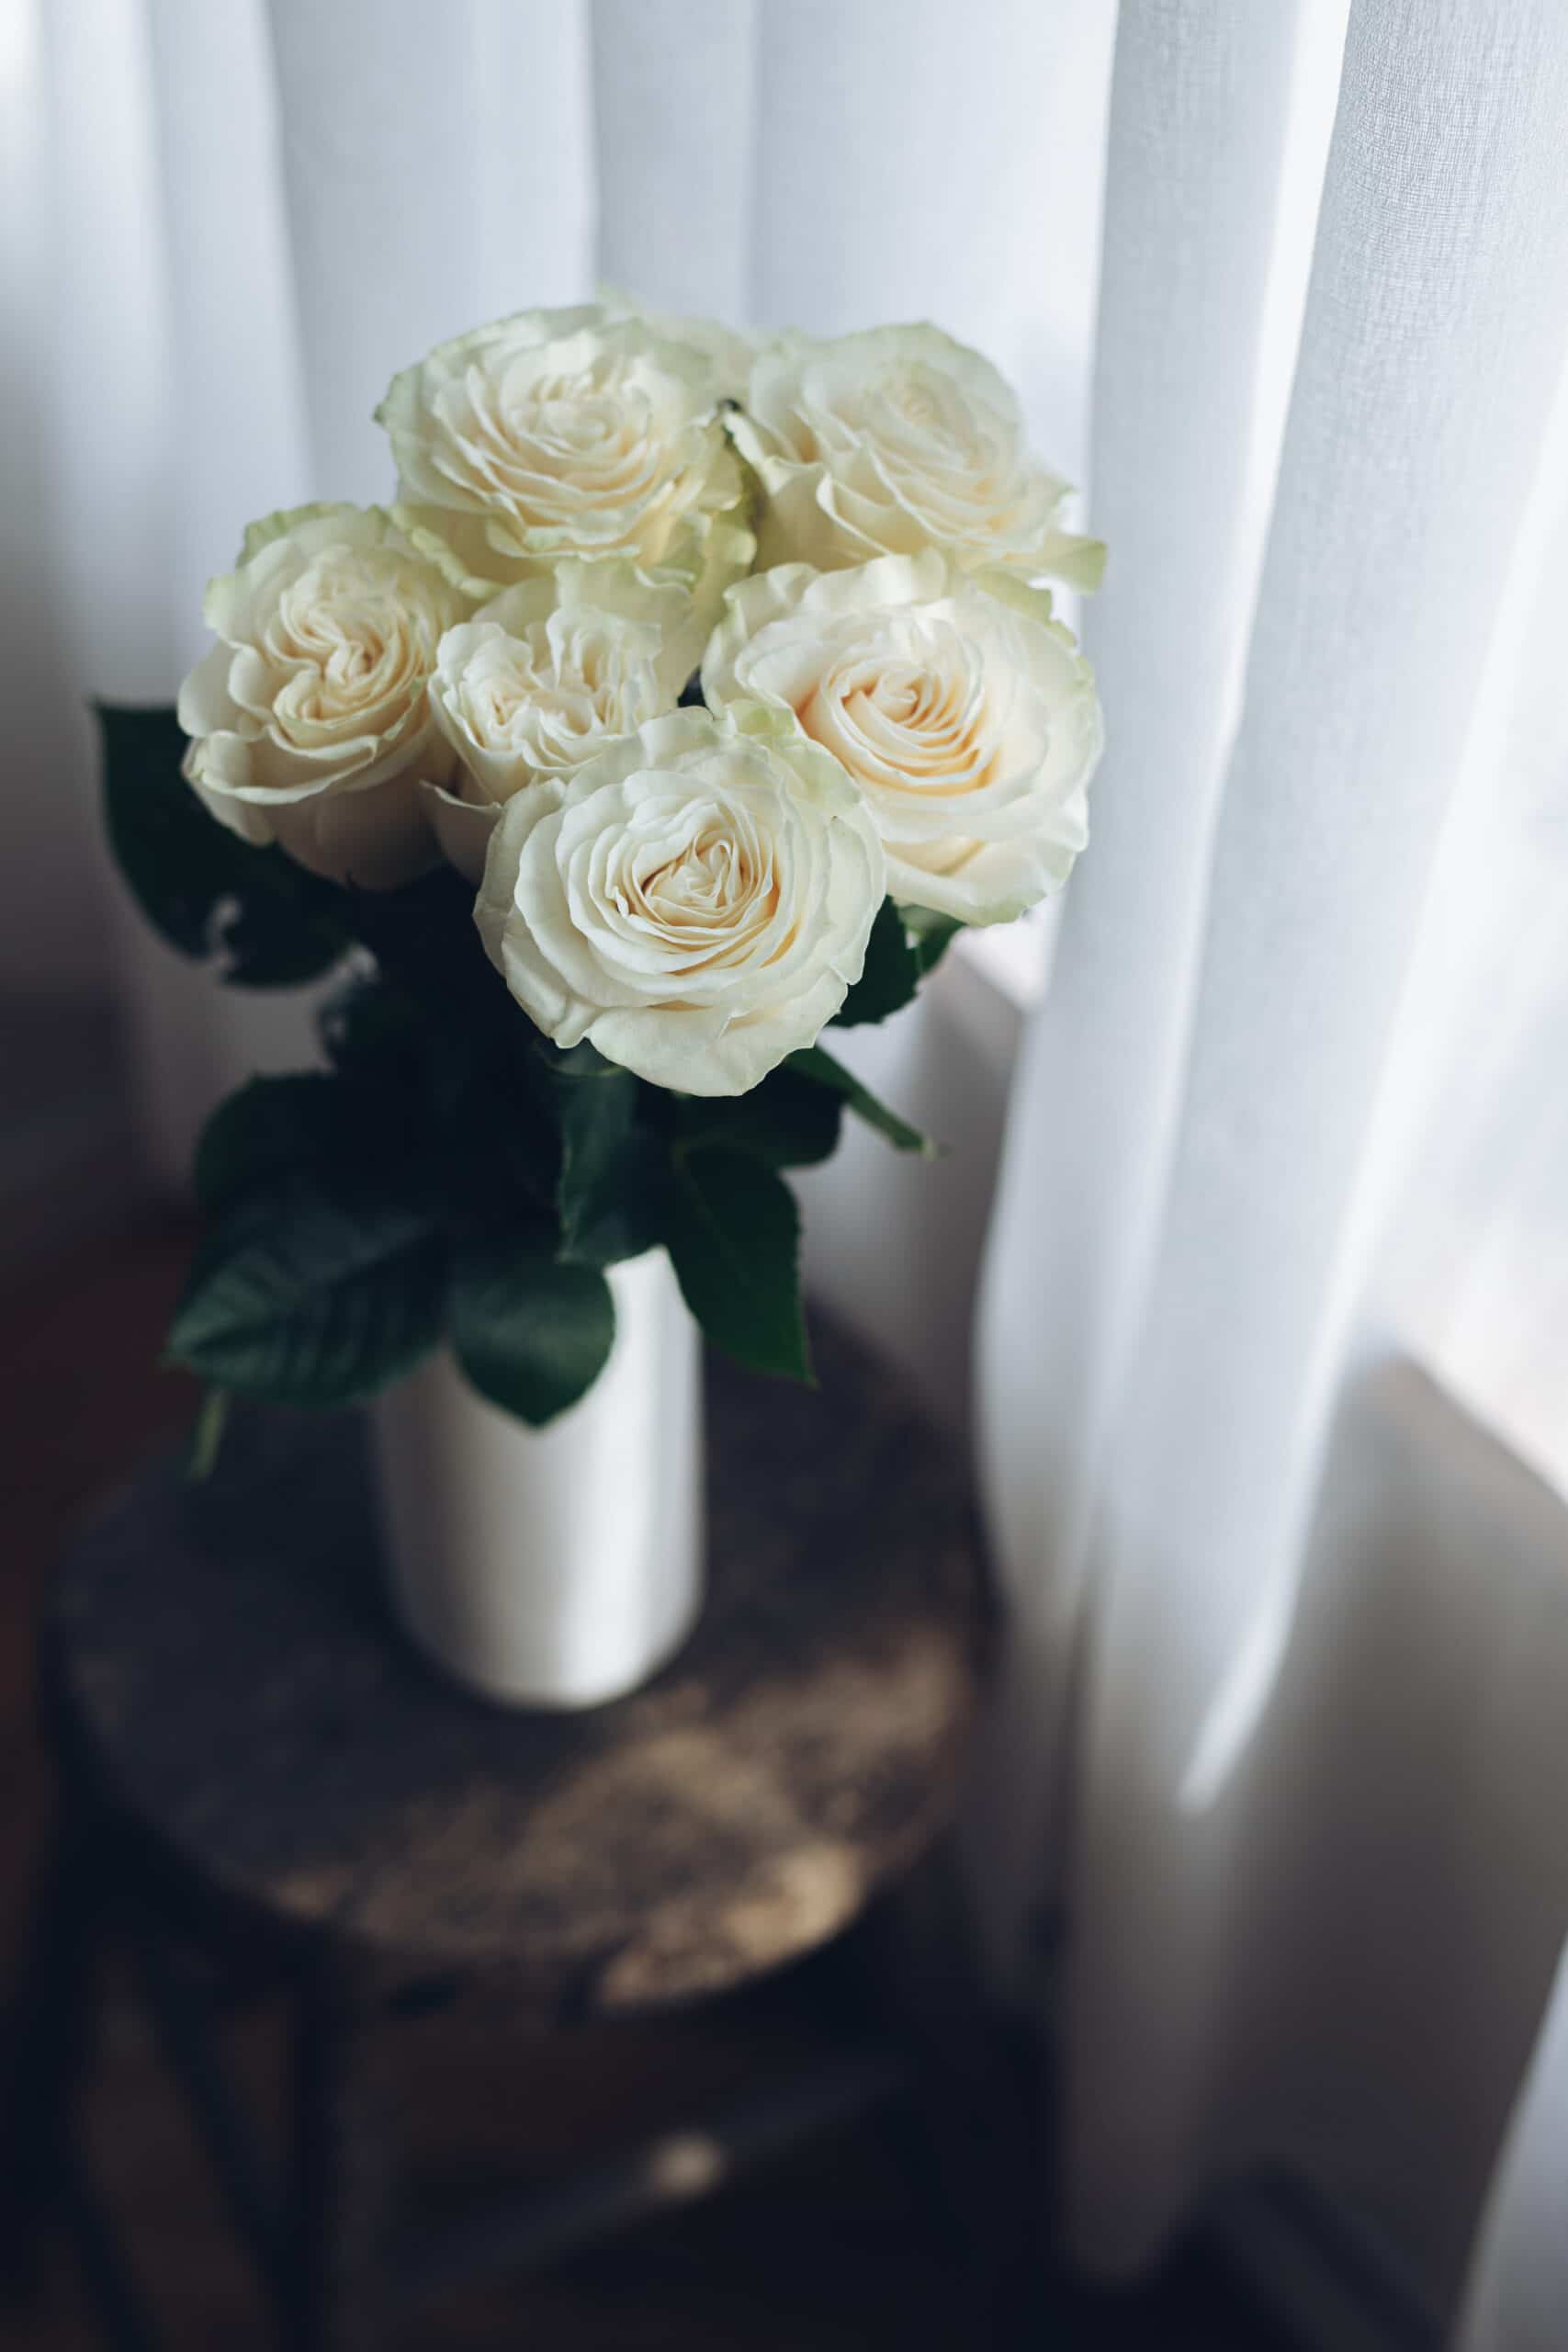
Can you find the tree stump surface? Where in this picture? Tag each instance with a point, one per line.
(233, 1690)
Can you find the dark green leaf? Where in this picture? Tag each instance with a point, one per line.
(314, 1131)
(499, 1148)
(891, 975)
(424, 940)
(789, 1120)
(733, 1232)
(263, 1134)
(530, 1333)
(372, 1032)
(823, 1070)
(612, 1165)
(929, 936)
(203, 888)
(484, 1104)
(170, 850)
(302, 1302)
(280, 926)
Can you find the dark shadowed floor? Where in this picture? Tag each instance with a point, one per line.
(830, 2248)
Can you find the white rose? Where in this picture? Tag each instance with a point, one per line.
(530, 689)
(584, 432)
(310, 721)
(696, 901)
(965, 715)
(731, 350)
(896, 439)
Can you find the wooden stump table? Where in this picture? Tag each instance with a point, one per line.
(261, 1780)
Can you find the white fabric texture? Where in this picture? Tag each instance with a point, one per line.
(1181, 1234)
(1283, 1106)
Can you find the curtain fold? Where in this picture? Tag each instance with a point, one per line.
(1222, 1284)
(393, 249)
(914, 161)
(675, 99)
(1199, 107)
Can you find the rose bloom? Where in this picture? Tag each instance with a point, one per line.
(730, 351)
(896, 439)
(696, 901)
(965, 715)
(592, 434)
(308, 720)
(532, 687)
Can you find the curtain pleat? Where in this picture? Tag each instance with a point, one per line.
(234, 412)
(915, 160)
(673, 98)
(106, 456)
(1199, 115)
(431, 184)
(233, 438)
(50, 863)
(1430, 352)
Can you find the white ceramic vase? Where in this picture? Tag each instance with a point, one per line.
(554, 1567)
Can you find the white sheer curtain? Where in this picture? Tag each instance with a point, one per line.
(1202, 1135)
(1282, 1098)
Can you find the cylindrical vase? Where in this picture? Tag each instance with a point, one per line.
(561, 1567)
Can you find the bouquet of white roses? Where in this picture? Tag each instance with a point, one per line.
(686, 700)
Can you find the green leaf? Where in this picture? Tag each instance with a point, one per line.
(370, 1032)
(612, 1166)
(484, 1103)
(301, 1302)
(320, 1136)
(530, 1333)
(269, 1131)
(823, 1070)
(788, 1119)
(280, 926)
(733, 1232)
(891, 975)
(203, 888)
(169, 849)
(929, 936)
(424, 940)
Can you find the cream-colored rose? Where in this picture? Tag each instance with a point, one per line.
(530, 689)
(587, 434)
(965, 715)
(310, 721)
(731, 350)
(696, 901)
(896, 440)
